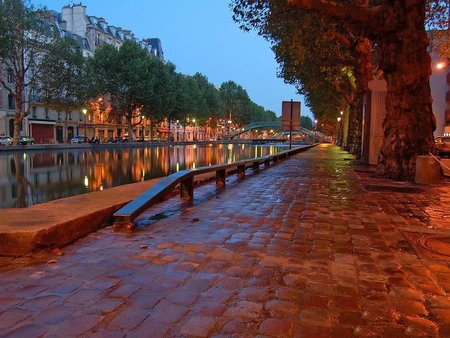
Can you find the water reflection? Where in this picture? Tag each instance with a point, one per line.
(40, 176)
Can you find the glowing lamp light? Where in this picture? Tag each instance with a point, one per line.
(440, 65)
(339, 119)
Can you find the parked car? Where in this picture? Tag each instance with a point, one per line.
(6, 140)
(23, 140)
(443, 145)
(77, 139)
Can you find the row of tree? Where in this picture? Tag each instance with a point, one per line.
(331, 49)
(43, 66)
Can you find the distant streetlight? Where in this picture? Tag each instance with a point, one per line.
(441, 65)
(85, 127)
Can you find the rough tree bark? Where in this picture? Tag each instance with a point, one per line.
(409, 122)
(363, 75)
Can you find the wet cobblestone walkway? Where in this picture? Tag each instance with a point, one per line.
(312, 247)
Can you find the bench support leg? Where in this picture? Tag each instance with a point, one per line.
(255, 166)
(187, 188)
(241, 171)
(220, 177)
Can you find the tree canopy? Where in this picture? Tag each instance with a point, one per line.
(325, 46)
(23, 38)
(64, 79)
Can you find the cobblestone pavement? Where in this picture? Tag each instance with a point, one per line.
(312, 247)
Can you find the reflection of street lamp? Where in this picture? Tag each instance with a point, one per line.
(85, 112)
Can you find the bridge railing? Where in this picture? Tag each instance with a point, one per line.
(184, 180)
(257, 125)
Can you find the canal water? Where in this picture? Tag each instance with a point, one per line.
(33, 177)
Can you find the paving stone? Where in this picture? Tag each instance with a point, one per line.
(54, 314)
(276, 327)
(40, 302)
(124, 291)
(12, 317)
(245, 310)
(310, 252)
(76, 325)
(234, 327)
(7, 302)
(198, 327)
(29, 330)
(167, 313)
(85, 296)
(128, 319)
(280, 308)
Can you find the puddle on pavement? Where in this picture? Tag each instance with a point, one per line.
(431, 246)
(436, 244)
(142, 223)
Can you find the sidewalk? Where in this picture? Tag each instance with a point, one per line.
(311, 247)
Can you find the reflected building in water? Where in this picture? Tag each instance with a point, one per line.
(29, 178)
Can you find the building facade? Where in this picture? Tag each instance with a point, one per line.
(440, 91)
(98, 119)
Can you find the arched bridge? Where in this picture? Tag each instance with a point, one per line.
(266, 124)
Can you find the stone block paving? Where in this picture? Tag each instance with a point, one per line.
(311, 247)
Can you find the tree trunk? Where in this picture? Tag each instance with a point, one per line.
(409, 122)
(363, 75)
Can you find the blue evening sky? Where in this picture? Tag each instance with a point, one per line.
(200, 36)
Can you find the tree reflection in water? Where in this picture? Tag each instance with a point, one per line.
(35, 177)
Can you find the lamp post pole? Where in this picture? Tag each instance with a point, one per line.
(194, 136)
(85, 127)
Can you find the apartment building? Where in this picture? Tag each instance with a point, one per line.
(49, 126)
(440, 91)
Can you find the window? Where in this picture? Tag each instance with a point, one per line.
(11, 102)
(33, 112)
(46, 113)
(59, 115)
(33, 94)
(70, 116)
(10, 75)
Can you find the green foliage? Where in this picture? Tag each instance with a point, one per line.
(438, 20)
(23, 38)
(310, 51)
(139, 84)
(63, 78)
(236, 102)
(306, 122)
(209, 103)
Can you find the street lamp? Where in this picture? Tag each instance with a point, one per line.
(85, 128)
(195, 130)
(441, 65)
